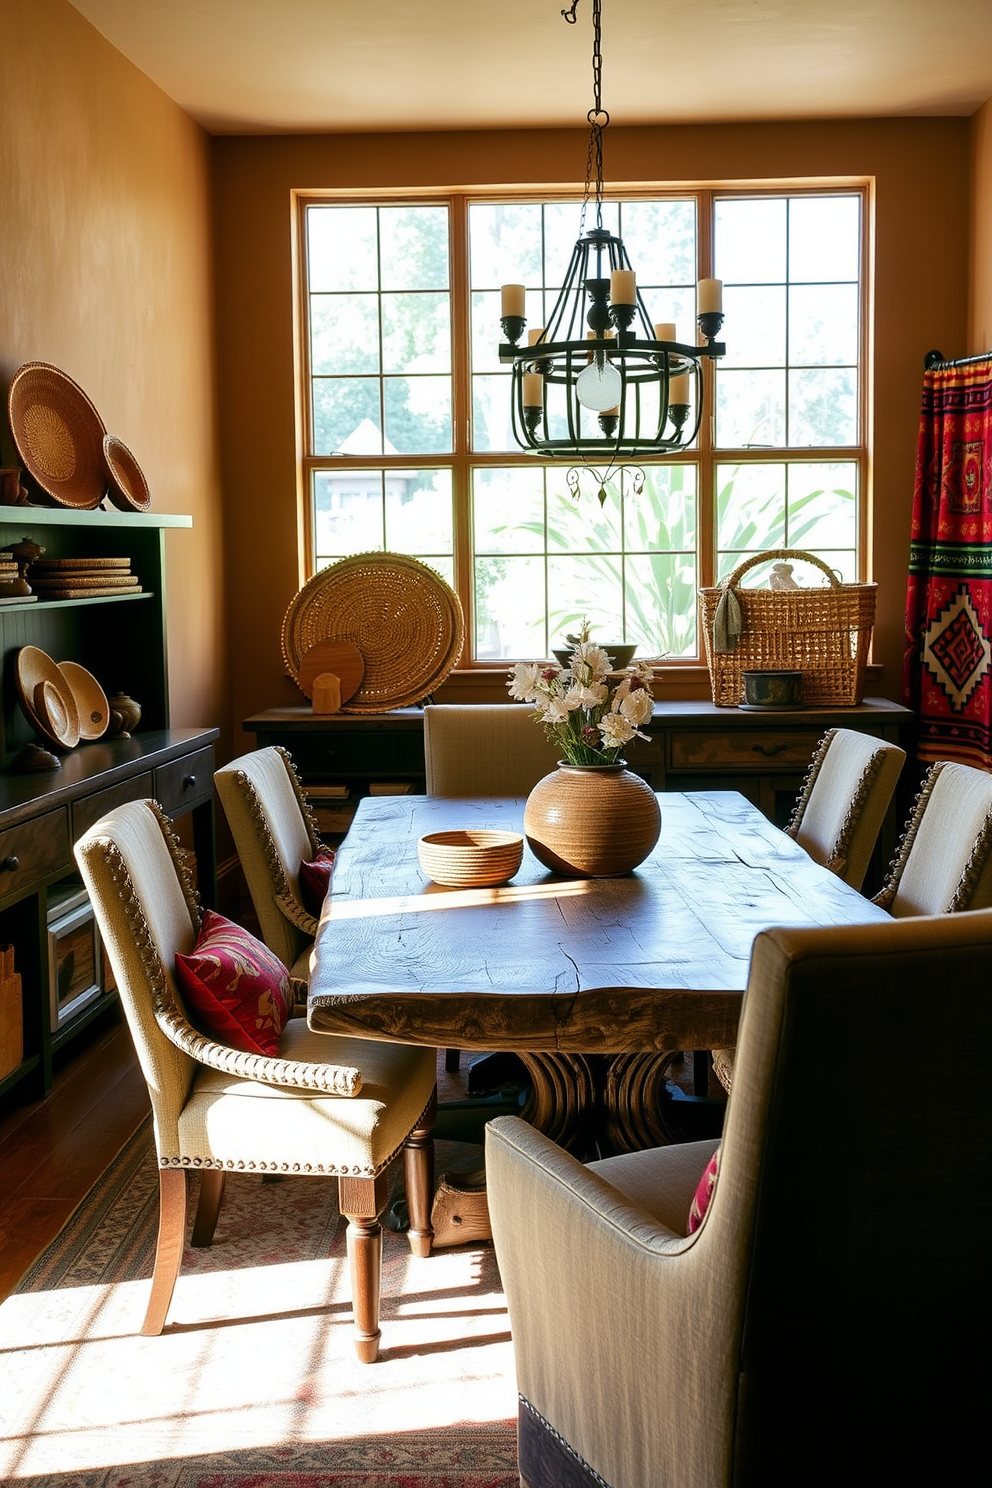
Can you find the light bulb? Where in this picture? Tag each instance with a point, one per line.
(598, 386)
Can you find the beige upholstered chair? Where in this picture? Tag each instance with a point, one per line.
(327, 1106)
(274, 832)
(843, 802)
(813, 1329)
(838, 816)
(944, 860)
(484, 749)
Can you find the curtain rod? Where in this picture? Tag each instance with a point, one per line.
(934, 361)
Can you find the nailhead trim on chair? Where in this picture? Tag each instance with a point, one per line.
(284, 896)
(328, 1079)
(332, 1170)
(589, 1474)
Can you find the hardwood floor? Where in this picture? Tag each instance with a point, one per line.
(52, 1151)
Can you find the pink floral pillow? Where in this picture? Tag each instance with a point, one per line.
(236, 990)
(704, 1192)
(315, 879)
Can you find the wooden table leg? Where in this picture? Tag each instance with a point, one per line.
(635, 1102)
(563, 1097)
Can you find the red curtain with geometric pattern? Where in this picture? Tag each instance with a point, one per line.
(947, 666)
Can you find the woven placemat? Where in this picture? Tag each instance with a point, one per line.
(403, 617)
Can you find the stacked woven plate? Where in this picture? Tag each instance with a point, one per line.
(82, 578)
(64, 446)
(64, 703)
(403, 623)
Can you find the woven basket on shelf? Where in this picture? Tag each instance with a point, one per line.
(59, 435)
(824, 632)
(403, 617)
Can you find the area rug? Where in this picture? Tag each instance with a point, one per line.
(254, 1381)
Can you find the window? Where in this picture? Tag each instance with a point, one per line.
(408, 445)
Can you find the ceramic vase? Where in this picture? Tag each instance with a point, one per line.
(592, 821)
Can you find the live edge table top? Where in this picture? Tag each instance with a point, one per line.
(653, 961)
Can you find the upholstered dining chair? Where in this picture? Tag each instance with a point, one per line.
(806, 1327)
(944, 859)
(838, 816)
(330, 1107)
(484, 749)
(841, 807)
(274, 832)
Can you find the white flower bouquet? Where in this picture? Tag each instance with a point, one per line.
(588, 719)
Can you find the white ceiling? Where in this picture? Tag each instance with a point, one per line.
(260, 66)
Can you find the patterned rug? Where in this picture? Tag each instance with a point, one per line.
(254, 1381)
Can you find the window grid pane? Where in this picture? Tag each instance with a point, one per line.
(790, 267)
(381, 369)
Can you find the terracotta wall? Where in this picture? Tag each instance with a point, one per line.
(105, 272)
(980, 275)
(921, 173)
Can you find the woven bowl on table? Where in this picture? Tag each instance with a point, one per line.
(471, 859)
(405, 620)
(59, 435)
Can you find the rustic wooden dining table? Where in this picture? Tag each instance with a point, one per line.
(595, 983)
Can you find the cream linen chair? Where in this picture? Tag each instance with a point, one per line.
(274, 832)
(815, 1328)
(484, 749)
(944, 860)
(327, 1106)
(843, 802)
(838, 816)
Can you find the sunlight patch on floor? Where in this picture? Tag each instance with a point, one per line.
(250, 1358)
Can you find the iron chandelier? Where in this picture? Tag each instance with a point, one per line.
(623, 386)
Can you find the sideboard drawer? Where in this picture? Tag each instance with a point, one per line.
(33, 851)
(743, 749)
(184, 783)
(91, 808)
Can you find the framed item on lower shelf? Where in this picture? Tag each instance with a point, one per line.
(78, 969)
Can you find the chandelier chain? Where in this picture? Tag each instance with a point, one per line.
(597, 116)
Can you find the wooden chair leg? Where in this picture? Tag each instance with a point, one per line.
(208, 1206)
(361, 1201)
(169, 1248)
(418, 1176)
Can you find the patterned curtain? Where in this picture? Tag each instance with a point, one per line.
(947, 668)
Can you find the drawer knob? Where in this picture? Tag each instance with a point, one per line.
(769, 749)
(11, 864)
(189, 781)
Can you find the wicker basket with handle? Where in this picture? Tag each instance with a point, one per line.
(824, 632)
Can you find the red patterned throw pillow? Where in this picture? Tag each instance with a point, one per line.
(315, 880)
(704, 1192)
(236, 990)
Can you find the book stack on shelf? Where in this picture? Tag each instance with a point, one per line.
(10, 582)
(82, 578)
(333, 808)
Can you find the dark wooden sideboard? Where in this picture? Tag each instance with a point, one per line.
(692, 746)
(41, 816)
(121, 639)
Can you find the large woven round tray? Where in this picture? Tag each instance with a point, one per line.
(403, 617)
(59, 435)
